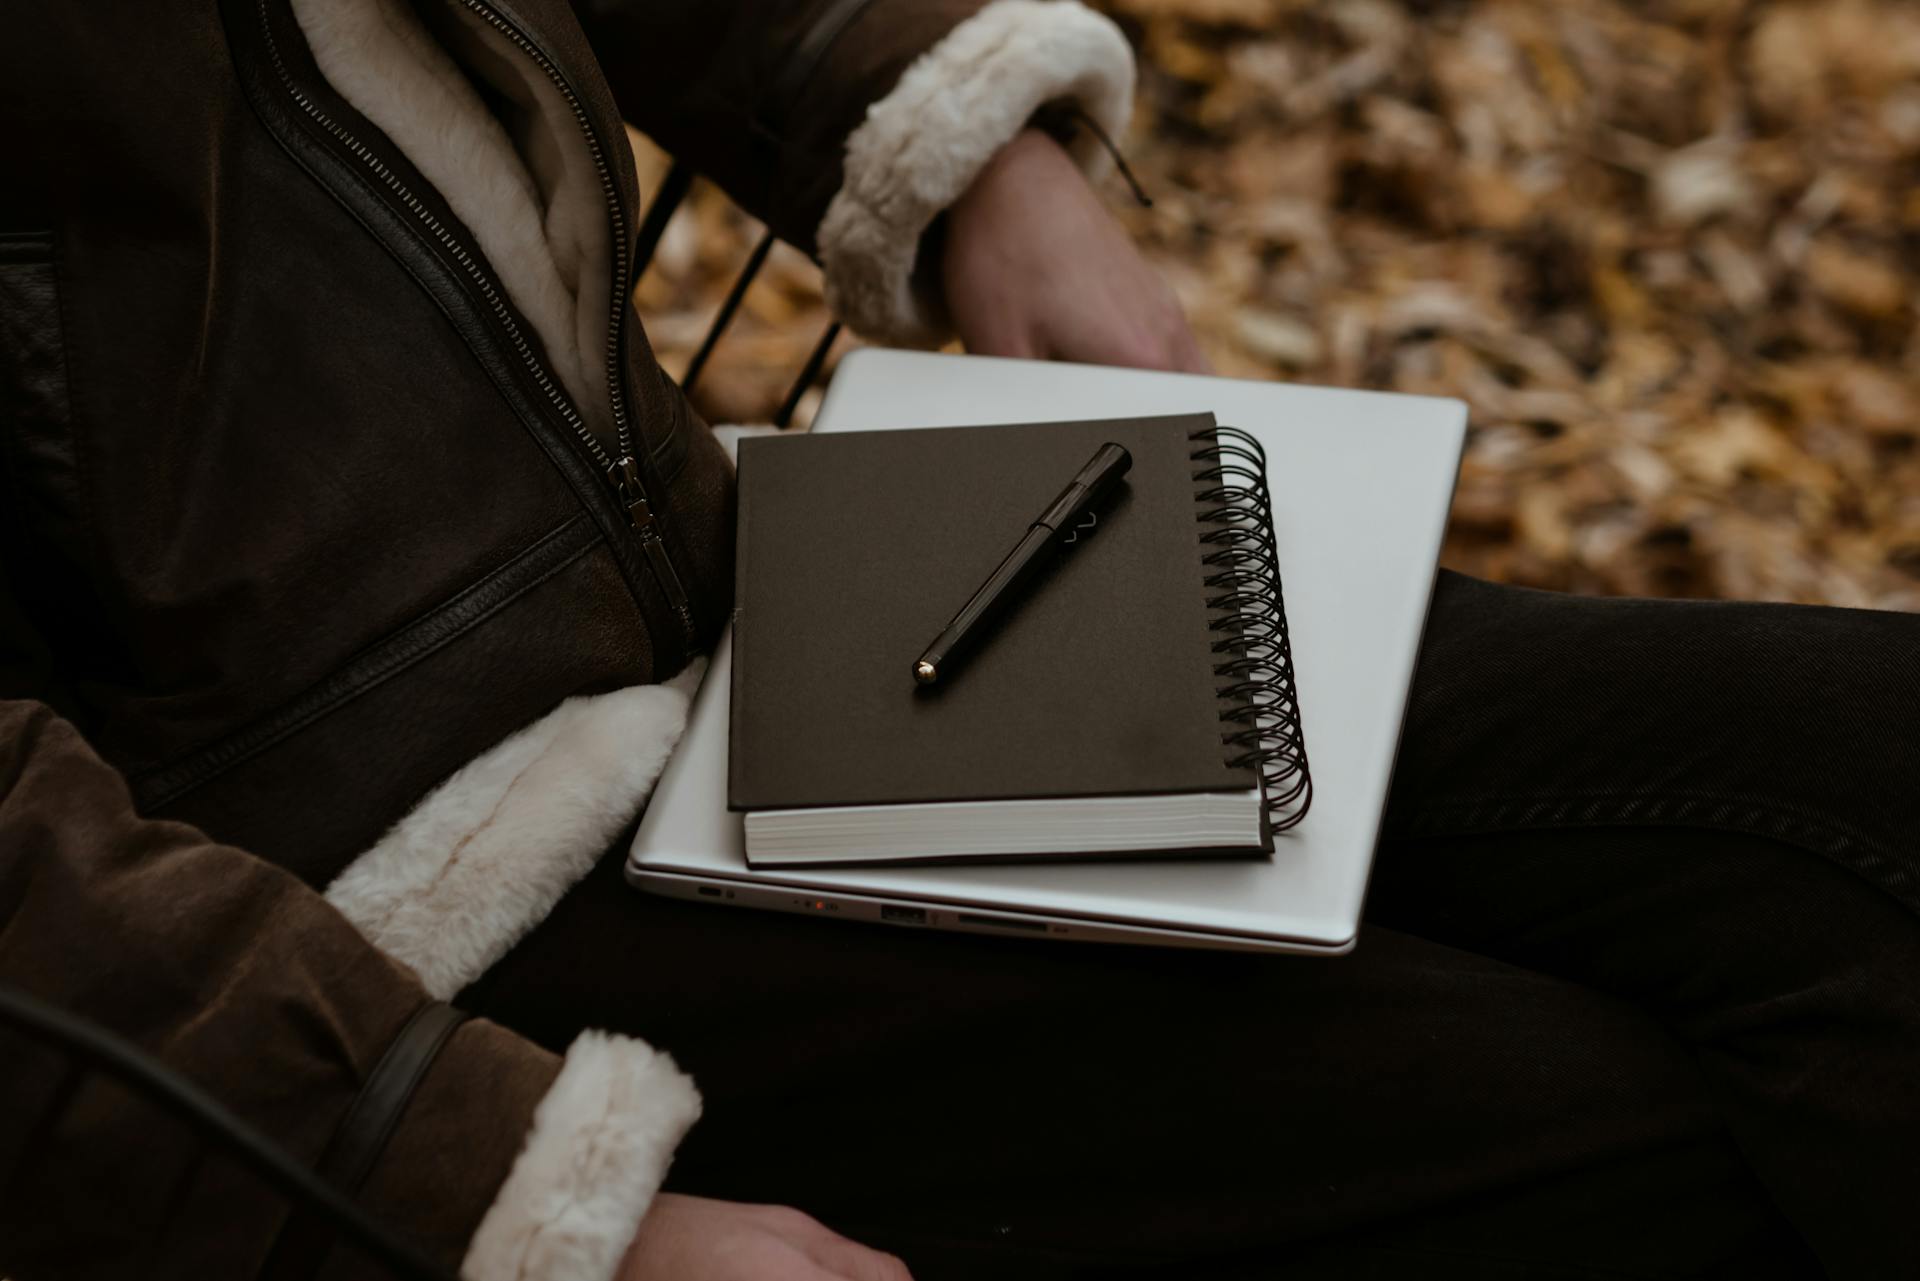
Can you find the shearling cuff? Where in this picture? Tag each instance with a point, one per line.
(600, 1144)
(486, 855)
(922, 145)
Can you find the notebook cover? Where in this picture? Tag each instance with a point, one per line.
(856, 549)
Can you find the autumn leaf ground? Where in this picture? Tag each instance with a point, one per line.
(1668, 252)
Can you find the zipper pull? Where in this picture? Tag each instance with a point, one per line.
(625, 476)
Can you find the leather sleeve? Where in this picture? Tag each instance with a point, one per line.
(760, 95)
(850, 126)
(238, 977)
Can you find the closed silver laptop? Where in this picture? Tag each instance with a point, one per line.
(1361, 485)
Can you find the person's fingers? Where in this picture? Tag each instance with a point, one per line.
(882, 1267)
(849, 1259)
(1187, 356)
(853, 1262)
(791, 1225)
(1012, 342)
(1180, 349)
(993, 330)
(1167, 345)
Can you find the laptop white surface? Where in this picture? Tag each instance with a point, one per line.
(1361, 485)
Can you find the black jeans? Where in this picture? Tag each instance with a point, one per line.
(1639, 994)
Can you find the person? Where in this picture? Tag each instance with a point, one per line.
(358, 556)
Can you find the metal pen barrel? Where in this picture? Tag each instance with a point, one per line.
(1109, 463)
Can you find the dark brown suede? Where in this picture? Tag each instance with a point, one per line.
(241, 979)
(269, 452)
(295, 523)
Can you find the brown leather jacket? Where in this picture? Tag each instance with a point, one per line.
(298, 519)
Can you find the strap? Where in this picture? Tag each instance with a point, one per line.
(362, 1135)
(364, 1131)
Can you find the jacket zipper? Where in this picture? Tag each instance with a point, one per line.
(622, 474)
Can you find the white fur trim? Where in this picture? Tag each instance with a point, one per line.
(600, 1144)
(922, 145)
(538, 215)
(485, 856)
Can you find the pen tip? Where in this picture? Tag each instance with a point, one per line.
(925, 673)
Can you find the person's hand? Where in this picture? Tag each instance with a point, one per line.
(1034, 266)
(689, 1238)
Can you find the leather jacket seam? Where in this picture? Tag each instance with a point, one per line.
(313, 153)
(823, 34)
(386, 658)
(670, 455)
(766, 119)
(669, 469)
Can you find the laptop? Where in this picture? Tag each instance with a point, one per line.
(1361, 485)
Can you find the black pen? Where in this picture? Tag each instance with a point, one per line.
(1102, 472)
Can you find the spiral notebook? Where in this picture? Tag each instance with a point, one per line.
(1137, 702)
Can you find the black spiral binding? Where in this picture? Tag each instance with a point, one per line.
(1261, 700)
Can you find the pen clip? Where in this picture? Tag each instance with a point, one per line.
(1093, 518)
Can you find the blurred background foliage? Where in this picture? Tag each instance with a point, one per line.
(1668, 252)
